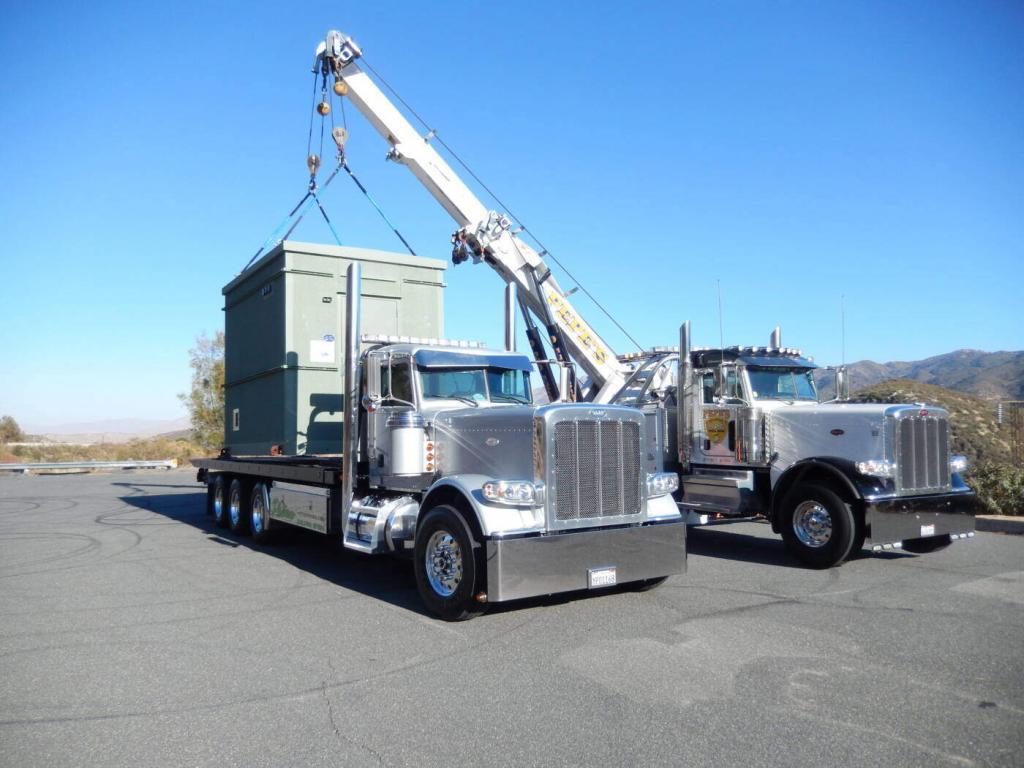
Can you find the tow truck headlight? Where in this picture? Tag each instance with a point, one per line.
(514, 492)
(877, 467)
(660, 483)
(957, 464)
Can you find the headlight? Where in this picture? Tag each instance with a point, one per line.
(660, 483)
(877, 467)
(957, 464)
(515, 492)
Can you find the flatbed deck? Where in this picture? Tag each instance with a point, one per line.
(321, 470)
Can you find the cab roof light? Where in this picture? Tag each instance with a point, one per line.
(384, 338)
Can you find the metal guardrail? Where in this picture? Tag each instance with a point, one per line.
(44, 465)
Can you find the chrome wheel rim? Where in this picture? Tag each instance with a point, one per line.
(443, 563)
(259, 513)
(812, 524)
(218, 502)
(235, 508)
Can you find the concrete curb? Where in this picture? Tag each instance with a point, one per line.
(1000, 524)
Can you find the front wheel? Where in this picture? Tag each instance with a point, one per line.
(818, 526)
(445, 564)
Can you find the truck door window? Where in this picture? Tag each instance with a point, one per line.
(707, 381)
(509, 386)
(733, 388)
(396, 381)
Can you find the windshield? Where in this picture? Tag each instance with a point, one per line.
(476, 385)
(776, 384)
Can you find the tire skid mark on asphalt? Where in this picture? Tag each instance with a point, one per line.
(92, 543)
(196, 637)
(130, 606)
(296, 695)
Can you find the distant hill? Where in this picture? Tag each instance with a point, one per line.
(107, 431)
(972, 419)
(992, 375)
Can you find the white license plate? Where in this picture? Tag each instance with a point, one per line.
(927, 530)
(601, 577)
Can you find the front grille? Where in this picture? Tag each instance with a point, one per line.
(596, 469)
(922, 454)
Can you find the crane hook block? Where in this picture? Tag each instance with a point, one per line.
(313, 163)
(323, 108)
(340, 86)
(340, 136)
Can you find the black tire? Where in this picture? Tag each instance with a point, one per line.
(647, 584)
(817, 526)
(446, 579)
(238, 506)
(259, 514)
(860, 535)
(217, 500)
(924, 546)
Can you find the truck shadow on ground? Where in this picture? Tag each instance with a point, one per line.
(390, 579)
(729, 544)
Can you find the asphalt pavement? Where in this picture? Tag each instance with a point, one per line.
(135, 633)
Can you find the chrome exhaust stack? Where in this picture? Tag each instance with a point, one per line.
(683, 398)
(350, 439)
(511, 305)
(775, 342)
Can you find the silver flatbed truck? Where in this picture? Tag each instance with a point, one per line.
(446, 459)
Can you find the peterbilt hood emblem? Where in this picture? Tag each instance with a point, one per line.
(599, 413)
(490, 442)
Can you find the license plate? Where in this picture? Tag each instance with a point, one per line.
(927, 530)
(601, 577)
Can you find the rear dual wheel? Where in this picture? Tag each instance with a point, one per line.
(238, 505)
(217, 500)
(259, 513)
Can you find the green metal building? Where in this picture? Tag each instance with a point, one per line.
(284, 329)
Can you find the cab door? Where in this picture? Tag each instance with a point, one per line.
(715, 421)
(397, 395)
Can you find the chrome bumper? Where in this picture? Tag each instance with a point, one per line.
(916, 517)
(561, 562)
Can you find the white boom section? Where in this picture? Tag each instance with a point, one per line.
(485, 230)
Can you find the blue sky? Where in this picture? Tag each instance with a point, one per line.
(796, 151)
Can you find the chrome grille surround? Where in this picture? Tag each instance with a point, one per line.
(920, 448)
(595, 474)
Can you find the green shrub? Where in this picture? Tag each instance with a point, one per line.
(1000, 488)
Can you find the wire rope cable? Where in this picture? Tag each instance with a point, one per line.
(544, 251)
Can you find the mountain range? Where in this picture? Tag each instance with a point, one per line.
(990, 375)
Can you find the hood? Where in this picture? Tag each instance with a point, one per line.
(853, 431)
(497, 442)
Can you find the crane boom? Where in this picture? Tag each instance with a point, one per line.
(483, 233)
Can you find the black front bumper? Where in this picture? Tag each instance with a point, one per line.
(900, 518)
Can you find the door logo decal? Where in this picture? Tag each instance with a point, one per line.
(716, 425)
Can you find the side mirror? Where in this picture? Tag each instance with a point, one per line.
(719, 382)
(372, 397)
(842, 383)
